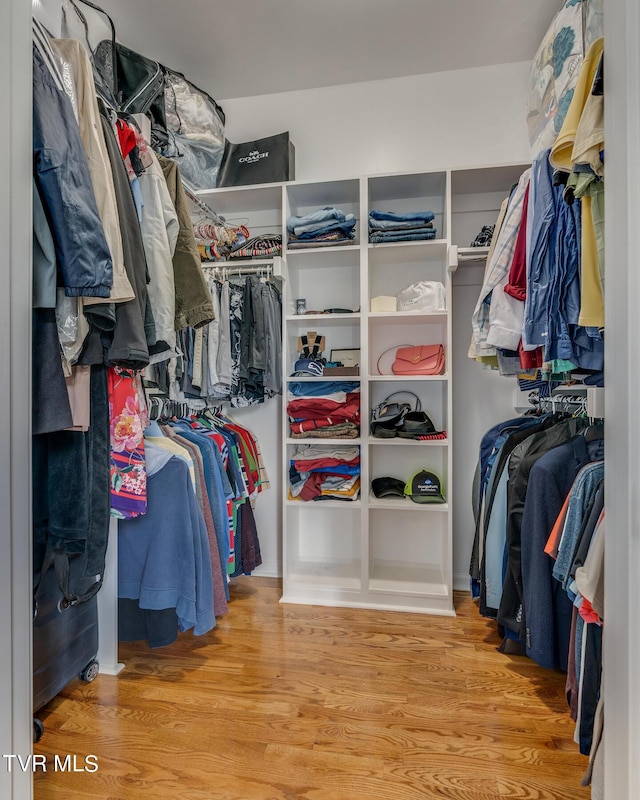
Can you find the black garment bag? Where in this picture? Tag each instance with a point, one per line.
(187, 124)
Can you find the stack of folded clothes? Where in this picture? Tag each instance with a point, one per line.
(412, 226)
(215, 242)
(269, 244)
(325, 227)
(220, 242)
(324, 410)
(324, 473)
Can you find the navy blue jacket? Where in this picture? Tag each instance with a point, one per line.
(62, 175)
(547, 607)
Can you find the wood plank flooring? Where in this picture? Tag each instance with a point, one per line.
(309, 703)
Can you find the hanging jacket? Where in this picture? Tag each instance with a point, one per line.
(547, 608)
(98, 163)
(488, 316)
(129, 346)
(193, 301)
(511, 611)
(63, 179)
(44, 257)
(160, 230)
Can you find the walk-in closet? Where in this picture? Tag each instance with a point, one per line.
(320, 358)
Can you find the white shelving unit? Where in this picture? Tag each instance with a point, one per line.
(390, 553)
(409, 545)
(374, 553)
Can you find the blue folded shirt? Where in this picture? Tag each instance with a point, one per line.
(318, 388)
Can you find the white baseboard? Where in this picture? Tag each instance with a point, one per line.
(461, 582)
(268, 569)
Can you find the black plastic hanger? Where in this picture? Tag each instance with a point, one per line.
(594, 433)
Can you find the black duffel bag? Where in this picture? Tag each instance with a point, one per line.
(136, 83)
(187, 124)
(268, 160)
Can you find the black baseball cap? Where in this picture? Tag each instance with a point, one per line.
(424, 487)
(387, 487)
(307, 366)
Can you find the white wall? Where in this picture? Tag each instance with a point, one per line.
(470, 117)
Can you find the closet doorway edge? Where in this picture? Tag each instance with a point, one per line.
(16, 726)
(622, 380)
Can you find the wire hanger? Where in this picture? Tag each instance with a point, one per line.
(107, 94)
(205, 209)
(237, 222)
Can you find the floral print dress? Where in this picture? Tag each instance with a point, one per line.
(127, 419)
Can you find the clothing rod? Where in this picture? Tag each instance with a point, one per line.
(558, 399)
(473, 257)
(264, 269)
(160, 406)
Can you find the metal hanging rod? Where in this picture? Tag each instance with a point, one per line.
(258, 269)
(160, 406)
(559, 402)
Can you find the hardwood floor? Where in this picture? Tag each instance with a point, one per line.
(309, 703)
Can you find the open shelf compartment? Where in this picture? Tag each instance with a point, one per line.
(391, 269)
(421, 191)
(432, 397)
(403, 463)
(407, 553)
(258, 207)
(323, 547)
(305, 198)
(402, 331)
(324, 280)
(339, 335)
(476, 196)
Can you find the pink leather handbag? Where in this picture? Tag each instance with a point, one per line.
(422, 359)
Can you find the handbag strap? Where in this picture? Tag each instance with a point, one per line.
(402, 391)
(395, 347)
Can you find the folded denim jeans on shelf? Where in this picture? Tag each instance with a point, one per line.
(396, 225)
(321, 215)
(425, 234)
(311, 227)
(342, 226)
(407, 216)
(328, 240)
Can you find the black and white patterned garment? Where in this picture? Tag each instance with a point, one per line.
(236, 303)
(483, 239)
(235, 358)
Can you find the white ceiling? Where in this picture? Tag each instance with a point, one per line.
(239, 48)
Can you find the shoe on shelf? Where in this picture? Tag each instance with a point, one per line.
(417, 424)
